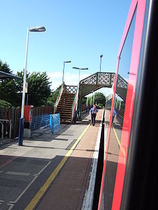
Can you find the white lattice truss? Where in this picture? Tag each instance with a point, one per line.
(104, 79)
(121, 83)
(71, 89)
(99, 78)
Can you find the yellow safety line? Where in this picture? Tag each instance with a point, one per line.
(118, 141)
(53, 175)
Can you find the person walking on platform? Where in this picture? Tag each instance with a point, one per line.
(113, 115)
(93, 112)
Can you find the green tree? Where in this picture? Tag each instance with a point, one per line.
(8, 88)
(4, 103)
(53, 96)
(100, 99)
(38, 88)
(4, 67)
(84, 100)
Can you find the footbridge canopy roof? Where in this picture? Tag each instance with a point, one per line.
(4, 75)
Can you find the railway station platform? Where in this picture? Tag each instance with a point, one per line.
(52, 171)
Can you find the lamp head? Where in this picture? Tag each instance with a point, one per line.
(67, 61)
(84, 68)
(75, 68)
(37, 29)
(80, 68)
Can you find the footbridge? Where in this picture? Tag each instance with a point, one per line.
(95, 82)
(70, 97)
(100, 80)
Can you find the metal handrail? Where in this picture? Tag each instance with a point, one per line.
(2, 132)
(74, 105)
(1, 122)
(70, 89)
(58, 97)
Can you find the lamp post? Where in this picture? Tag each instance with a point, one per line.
(80, 69)
(21, 122)
(64, 69)
(100, 61)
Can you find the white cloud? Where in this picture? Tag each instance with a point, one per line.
(55, 78)
(54, 75)
(106, 91)
(69, 78)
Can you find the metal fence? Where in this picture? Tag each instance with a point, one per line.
(5, 130)
(40, 121)
(55, 122)
(9, 125)
(12, 115)
(45, 123)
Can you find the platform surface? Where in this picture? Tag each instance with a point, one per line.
(51, 171)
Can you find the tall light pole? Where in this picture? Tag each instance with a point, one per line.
(64, 69)
(100, 61)
(80, 69)
(21, 122)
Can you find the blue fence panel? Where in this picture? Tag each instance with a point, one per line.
(40, 121)
(55, 122)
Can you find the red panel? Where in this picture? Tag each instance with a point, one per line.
(28, 113)
(130, 99)
(107, 143)
(140, 5)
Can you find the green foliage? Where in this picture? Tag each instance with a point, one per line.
(100, 99)
(4, 103)
(8, 88)
(53, 96)
(38, 88)
(4, 67)
(99, 106)
(84, 100)
(89, 100)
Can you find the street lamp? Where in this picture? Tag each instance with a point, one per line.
(37, 29)
(64, 69)
(100, 61)
(79, 72)
(21, 122)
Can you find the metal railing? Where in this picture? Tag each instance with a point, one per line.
(5, 132)
(58, 98)
(74, 105)
(71, 89)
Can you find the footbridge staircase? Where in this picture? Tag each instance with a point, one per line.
(68, 102)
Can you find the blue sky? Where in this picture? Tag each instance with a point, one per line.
(75, 30)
